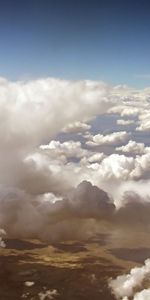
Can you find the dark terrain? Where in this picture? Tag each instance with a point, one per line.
(76, 270)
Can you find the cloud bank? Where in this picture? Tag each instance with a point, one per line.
(55, 187)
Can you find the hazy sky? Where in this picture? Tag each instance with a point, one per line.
(76, 39)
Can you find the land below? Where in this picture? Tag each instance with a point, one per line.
(72, 270)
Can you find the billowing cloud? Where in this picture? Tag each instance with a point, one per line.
(125, 286)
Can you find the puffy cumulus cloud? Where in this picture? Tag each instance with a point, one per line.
(123, 167)
(93, 158)
(125, 286)
(144, 120)
(116, 166)
(147, 149)
(109, 139)
(124, 122)
(142, 167)
(71, 149)
(132, 103)
(132, 97)
(76, 127)
(66, 149)
(132, 147)
(124, 111)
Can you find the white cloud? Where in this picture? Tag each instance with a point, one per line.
(33, 111)
(49, 294)
(76, 127)
(2, 235)
(125, 122)
(29, 283)
(109, 139)
(142, 167)
(132, 147)
(2, 243)
(124, 111)
(67, 149)
(116, 166)
(143, 295)
(124, 286)
(93, 158)
(144, 125)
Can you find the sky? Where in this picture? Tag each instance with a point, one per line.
(97, 40)
(75, 123)
(67, 106)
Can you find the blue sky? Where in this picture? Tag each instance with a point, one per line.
(78, 39)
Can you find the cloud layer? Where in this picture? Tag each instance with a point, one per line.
(52, 179)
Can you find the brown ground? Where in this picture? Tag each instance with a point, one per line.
(77, 270)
